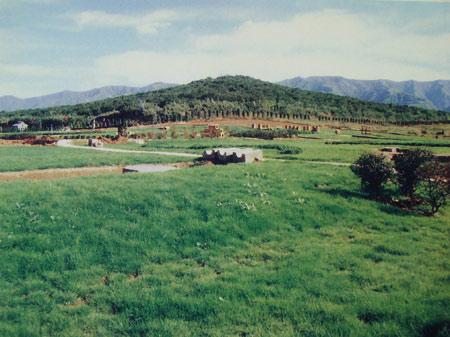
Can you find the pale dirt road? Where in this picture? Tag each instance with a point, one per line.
(68, 143)
(58, 173)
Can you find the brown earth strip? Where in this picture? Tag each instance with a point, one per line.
(59, 173)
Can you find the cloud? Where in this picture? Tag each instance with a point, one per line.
(26, 70)
(329, 42)
(149, 23)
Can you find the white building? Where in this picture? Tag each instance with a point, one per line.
(20, 126)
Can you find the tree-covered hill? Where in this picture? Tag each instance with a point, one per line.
(227, 96)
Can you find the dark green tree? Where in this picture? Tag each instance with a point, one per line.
(406, 166)
(374, 171)
(434, 185)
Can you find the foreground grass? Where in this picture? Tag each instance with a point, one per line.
(276, 249)
(19, 158)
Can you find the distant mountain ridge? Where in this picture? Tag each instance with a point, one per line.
(12, 103)
(430, 94)
(221, 97)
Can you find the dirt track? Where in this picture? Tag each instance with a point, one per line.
(67, 143)
(59, 173)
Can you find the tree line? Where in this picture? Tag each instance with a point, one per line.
(227, 97)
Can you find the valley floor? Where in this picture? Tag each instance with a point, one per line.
(280, 248)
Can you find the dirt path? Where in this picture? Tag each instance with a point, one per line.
(59, 173)
(67, 143)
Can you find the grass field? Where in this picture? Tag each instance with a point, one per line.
(274, 249)
(18, 158)
(312, 149)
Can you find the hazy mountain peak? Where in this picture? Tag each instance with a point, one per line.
(69, 97)
(426, 94)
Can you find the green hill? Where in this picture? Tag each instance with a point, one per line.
(227, 96)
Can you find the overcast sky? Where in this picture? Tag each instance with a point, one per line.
(53, 45)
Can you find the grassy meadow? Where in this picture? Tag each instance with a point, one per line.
(325, 146)
(20, 158)
(272, 249)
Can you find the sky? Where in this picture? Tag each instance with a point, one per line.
(49, 46)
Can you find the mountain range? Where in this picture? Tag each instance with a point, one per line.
(12, 103)
(223, 97)
(431, 95)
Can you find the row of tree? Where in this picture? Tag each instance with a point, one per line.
(228, 96)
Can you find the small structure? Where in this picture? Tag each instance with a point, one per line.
(20, 126)
(213, 131)
(95, 142)
(292, 127)
(122, 131)
(391, 152)
(390, 149)
(261, 126)
(233, 155)
(365, 130)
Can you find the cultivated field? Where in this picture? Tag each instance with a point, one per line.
(286, 247)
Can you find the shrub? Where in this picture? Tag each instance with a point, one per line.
(434, 185)
(374, 171)
(281, 148)
(173, 134)
(265, 134)
(407, 164)
(290, 151)
(161, 135)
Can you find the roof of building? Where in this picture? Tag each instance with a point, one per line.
(20, 123)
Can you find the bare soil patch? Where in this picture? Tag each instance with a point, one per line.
(6, 142)
(59, 173)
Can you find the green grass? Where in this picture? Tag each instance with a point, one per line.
(18, 158)
(312, 149)
(316, 150)
(274, 249)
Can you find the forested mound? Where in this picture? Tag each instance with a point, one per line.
(226, 96)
